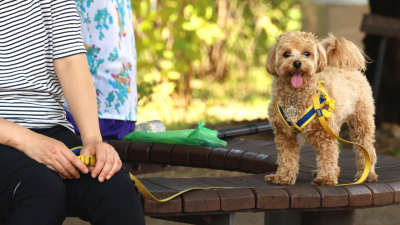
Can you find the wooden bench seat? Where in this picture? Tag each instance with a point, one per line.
(251, 193)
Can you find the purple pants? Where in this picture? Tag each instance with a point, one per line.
(110, 129)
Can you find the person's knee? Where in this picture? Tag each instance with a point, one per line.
(39, 195)
(53, 186)
(43, 183)
(114, 201)
(121, 193)
(120, 186)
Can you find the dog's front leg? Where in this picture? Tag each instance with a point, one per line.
(288, 158)
(327, 151)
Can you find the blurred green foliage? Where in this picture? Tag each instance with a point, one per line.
(207, 50)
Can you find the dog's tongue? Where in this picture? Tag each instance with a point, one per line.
(297, 79)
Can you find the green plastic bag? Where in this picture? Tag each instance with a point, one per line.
(200, 137)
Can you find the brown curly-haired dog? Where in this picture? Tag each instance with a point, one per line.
(298, 61)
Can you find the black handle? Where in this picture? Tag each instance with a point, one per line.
(245, 130)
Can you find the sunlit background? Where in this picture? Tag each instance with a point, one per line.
(204, 60)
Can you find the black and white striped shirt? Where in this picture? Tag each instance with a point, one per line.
(34, 33)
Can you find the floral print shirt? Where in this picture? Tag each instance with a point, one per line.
(108, 30)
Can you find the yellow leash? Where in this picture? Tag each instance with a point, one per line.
(321, 118)
(90, 160)
(142, 189)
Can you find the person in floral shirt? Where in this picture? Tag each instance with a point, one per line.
(108, 34)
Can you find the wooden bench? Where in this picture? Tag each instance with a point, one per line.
(298, 204)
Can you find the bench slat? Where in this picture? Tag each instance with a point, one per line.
(333, 197)
(302, 197)
(242, 183)
(381, 193)
(246, 161)
(395, 185)
(236, 199)
(172, 206)
(271, 198)
(258, 164)
(216, 158)
(359, 195)
(201, 201)
(169, 183)
(139, 151)
(121, 147)
(161, 153)
(191, 181)
(232, 159)
(257, 179)
(152, 187)
(199, 156)
(180, 154)
(216, 182)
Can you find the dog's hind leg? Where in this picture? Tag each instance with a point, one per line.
(362, 131)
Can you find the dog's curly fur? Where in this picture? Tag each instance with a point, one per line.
(337, 62)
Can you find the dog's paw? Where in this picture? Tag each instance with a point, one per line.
(280, 179)
(324, 181)
(314, 173)
(372, 177)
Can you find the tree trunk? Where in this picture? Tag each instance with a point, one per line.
(387, 109)
(217, 53)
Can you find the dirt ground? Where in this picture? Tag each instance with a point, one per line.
(387, 143)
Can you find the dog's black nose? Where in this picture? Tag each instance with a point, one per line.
(297, 64)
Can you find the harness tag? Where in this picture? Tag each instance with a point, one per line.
(319, 113)
(291, 111)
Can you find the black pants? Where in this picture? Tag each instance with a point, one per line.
(31, 193)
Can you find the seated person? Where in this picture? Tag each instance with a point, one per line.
(107, 31)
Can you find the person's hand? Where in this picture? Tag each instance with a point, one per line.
(107, 159)
(52, 153)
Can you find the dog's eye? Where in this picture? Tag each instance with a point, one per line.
(306, 53)
(286, 54)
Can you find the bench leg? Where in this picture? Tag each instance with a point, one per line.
(378, 67)
(217, 219)
(342, 217)
(282, 218)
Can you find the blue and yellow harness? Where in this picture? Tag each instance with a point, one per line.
(327, 105)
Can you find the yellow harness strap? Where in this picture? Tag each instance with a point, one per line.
(90, 160)
(321, 118)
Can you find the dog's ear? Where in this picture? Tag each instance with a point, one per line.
(321, 65)
(271, 60)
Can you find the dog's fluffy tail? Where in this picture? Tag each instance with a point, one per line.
(344, 54)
